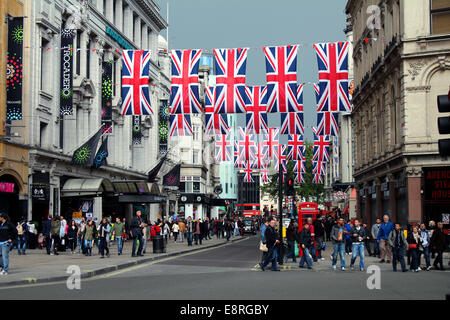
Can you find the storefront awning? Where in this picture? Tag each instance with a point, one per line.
(142, 198)
(86, 187)
(131, 187)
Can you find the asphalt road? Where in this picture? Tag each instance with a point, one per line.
(229, 272)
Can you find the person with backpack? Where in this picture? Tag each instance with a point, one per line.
(22, 236)
(291, 235)
(103, 234)
(398, 245)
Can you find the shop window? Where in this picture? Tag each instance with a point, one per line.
(42, 134)
(196, 186)
(440, 16)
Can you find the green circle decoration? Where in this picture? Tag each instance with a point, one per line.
(17, 34)
(107, 88)
(82, 155)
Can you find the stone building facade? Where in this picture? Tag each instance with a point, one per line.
(401, 58)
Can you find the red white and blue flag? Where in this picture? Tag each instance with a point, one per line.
(135, 88)
(292, 123)
(180, 125)
(296, 147)
(300, 88)
(214, 123)
(299, 170)
(272, 140)
(230, 96)
(281, 72)
(332, 60)
(223, 147)
(280, 157)
(247, 145)
(184, 93)
(265, 175)
(321, 147)
(248, 177)
(319, 167)
(317, 179)
(261, 156)
(257, 110)
(327, 122)
(237, 155)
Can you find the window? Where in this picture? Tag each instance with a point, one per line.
(88, 60)
(195, 157)
(45, 65)
(78, 53)
(440, 16)
(182, 187)
(196, 187)
(196, 133)
(42, 134)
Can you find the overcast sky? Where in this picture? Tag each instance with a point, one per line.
(209, 24)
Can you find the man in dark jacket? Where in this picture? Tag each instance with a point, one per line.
(7, 235)
(398, 244)
(438, 243)
(358, 235)
(319, 231)
(305, 240)
(338, 233)
(47, 227)
(136, 231)
(272, 240)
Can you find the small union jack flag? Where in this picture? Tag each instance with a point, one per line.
(299, 170)
(332, 59)
(215, 123)
(261, 158)
(300, 97)
(256, 110)
(272, 140)
(247, 145)
(223, 147)
(321, 147)
(230, 96)
(135, 89)
(281, 71)
(180, 125)
(292, 123)
(184, 93)
(265, 175)
(327, 122)
(296, 148)
(248, 177)
(237, 155)
(319, 167)
(280, 157)
(317, 179)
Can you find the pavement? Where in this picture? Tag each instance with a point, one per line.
(38, 267)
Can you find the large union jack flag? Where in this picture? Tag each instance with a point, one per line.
(292, 123)
(230, 96)
(248, 177)
(257, 110)
(247, 145)
(135, 89)
(223, 147)
(296, 147)
(215, 123)
(321, 147)
(272, 140)
(281, 71)
(332, 59)
(261, 156)
(180, 125)
(299, 170)
(327, 122)
(184, 93)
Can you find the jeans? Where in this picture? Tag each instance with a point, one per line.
(236, 232)
(189, 238)
(144, 243)
(426, 253)
(398, 254)
(348, 245)
(376, 247)
(119, 244)
(4, 256)
(415, 262)
(306, 257)
(103, 246)
(21, 244)
(272, 255)
(141, 243)
(358, 249)
(88, 245)
(198, 238)
(339, 247)
(181, 237)
(291, 253)
(312, 251)
(228, 235)
(319, 241)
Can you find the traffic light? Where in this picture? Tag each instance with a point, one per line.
(290, 190)
(444, 125)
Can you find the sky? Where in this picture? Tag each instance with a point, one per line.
(209, 24)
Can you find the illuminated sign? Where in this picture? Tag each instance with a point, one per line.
(6, 187)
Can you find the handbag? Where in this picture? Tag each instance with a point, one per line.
(413, 246)
(263, 247)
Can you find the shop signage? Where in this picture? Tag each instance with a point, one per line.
(6, 187)
(446, 218)
(437, 183)
(123, 43)
(39, 192)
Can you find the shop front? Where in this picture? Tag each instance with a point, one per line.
(196, 206)
(436, 186)
(10, 199)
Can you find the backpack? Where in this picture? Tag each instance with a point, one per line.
(19, 229)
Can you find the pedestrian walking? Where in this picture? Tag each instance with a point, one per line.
(103, 233)
(263, 238)
(414, 241)
(368, 239)
(7, 235)
(305, 241)
(117, 230)
(438, 243)
(376, 243)
(54, 234)
(348, 240)
(383, 239)
(198, 231)
(338, 233)
(229, 226)
(22, 236)
(431, 228)
(80, 240)
(182, 230)
(272, 240)
(358, 235)
(72, 235)
(424, 248)
(175, 230)
(136, 231)
(397, 242)
(319, 236)
(190, 228)
(291, 235)
(88, 237)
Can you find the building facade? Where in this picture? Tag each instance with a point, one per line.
(103, 30)
(401, 58)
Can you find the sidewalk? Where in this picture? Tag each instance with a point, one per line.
(38, 267)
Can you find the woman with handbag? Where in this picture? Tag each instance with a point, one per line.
(414, 240)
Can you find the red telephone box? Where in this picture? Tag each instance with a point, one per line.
(306, 210)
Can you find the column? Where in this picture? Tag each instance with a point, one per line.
(144, 37)
(118, 18)
(98, 208)
(83, 53)
(392, 197)
(368, 209)
(189, 210)
(137, 31)
(109, 10)
(128, 22)
(380, 194)
(358, 205)
(414, 178)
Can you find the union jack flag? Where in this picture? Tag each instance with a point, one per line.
(296, 148)
(248, 177)
(180, 125)
(281, 72)
(328, 123)
(280, 157)
(265, 175)
(223, 147)
(272, 140)
(237, 156)
(319, 167)
(292, 123)
(321, 147)
(247, 145)
(135, 90)
(300, 97)
(299, 170)
(184, 93)
(230, 96)
(261, 158)
(257, 110)
(317, 179)
(332, 59)
(215, 123)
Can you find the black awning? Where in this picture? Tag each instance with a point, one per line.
(143, 198)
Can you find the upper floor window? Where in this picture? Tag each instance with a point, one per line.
(440, 16)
